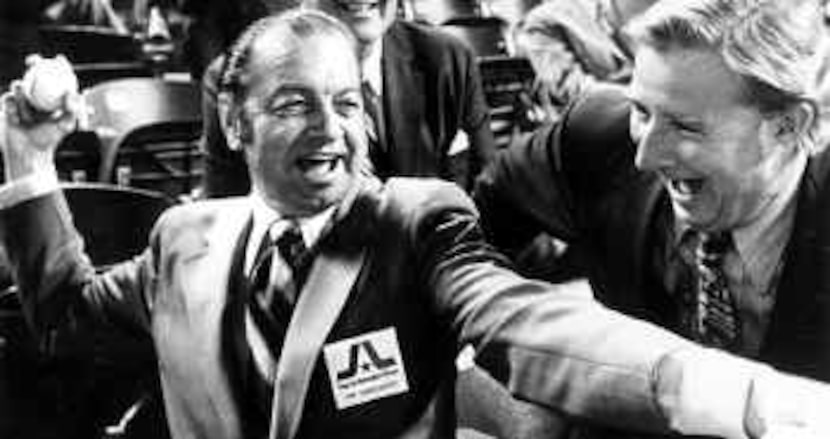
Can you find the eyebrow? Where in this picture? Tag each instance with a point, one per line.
(290, 88)
(669, 114)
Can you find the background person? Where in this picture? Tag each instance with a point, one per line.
(570, 51)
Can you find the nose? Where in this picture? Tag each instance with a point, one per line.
(653, 151)
(328, 122)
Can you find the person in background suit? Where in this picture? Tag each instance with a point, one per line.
(329, 304)
(215, 24)
(714, 138)
(427, 92)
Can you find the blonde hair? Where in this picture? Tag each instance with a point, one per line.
(770, 44)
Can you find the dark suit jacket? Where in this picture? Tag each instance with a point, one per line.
(427, 274)
(432, 89)
(577, 181)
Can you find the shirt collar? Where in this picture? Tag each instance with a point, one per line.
(266, 219)
(371, 67)
(761, 242)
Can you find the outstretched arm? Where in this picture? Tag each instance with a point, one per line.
(556, 346)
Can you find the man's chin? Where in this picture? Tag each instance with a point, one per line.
(694, 219)
(367, 30)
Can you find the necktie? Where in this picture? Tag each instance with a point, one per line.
(375, 130)
(717, 323)
(272, 293)
(294, 252)
(272, 289)
(371, 105)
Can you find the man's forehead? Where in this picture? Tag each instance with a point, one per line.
(277, 42)
(279, 47)
(687, 75)
(298, 60)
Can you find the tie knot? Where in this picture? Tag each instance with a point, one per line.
(291, 246)
(719, 242)
(713, 247)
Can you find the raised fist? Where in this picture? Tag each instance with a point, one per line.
(48, 82)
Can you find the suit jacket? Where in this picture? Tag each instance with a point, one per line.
(432, 89)
(577, 181)
(427, 275)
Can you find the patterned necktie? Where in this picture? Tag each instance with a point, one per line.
(717, 322)
(294, 252)
(272, 294)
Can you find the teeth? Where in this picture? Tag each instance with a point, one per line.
(687, 186)
(318, 166)
(357, 7)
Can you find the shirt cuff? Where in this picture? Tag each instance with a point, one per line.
(705, 391)
(32, 186)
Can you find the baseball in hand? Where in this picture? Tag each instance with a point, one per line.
(48, 81)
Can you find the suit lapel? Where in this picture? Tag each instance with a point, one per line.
(798, 338)
(330, 281)
(189, 321)
(335, 270)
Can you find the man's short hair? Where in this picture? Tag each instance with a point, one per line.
(770, 44)
(292, 28)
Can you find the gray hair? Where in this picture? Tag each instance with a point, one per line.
(770, 44)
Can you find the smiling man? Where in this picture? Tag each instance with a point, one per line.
(427, 92)
(326, 304)
(423, 98)
(698, 200)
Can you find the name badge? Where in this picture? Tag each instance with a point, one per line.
(365, 368)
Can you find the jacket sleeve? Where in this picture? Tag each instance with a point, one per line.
(62, 296)
(475, 117)
(549, 181)
(552, 345)
(523, 193)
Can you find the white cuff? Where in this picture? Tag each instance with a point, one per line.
(704, 391)
(787, 404)
(29, 187)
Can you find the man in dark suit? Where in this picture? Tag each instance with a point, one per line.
(713, 138)
(427, 93)
(328, 304)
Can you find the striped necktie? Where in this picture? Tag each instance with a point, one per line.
(272, 293)
(375, 128)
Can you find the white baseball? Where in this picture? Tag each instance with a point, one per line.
(47, 82)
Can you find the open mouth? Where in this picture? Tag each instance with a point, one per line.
(320, 166)
(686, 187)
(357, 7)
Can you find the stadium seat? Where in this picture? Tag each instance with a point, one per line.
(149, 129)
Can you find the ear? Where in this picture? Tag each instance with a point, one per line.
(795, 124)
(235, 126)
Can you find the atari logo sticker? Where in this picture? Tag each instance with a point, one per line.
(365, 368)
